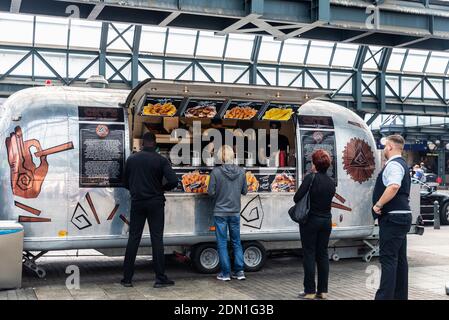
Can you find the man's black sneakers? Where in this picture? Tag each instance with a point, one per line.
(126, 284)
(163, 283)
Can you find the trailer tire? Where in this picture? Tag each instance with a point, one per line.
(254, 256)
(205, 258)
(444, 214)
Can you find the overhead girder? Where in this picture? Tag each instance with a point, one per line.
(392, 23)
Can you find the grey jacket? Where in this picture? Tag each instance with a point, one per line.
(227, 184)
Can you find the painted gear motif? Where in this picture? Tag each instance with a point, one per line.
(358, 160)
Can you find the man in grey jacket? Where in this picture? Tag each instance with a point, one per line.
(227, 184)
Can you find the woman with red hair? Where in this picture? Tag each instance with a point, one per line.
(315, 232)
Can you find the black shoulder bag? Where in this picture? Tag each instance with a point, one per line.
(300, 211)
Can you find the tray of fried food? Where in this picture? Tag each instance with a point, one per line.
(252, 182)
(201, 112)
(281, 114)
(195, 182)
(283, 182)
(159, 109)
(242, 113)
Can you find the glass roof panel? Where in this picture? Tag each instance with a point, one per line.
(210, 45)
(345, 55)
(22, 26)
(85, 34)
(119, 43)
(152, 40)
(416, 60)
(320, 53)
(51, 31)
(8, 58)
(269, 50)
(372, 58)
(396, 59)
(181, 41)
(438, 62)
(294, 51)
(239, 46)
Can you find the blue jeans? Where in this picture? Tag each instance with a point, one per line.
(221, 232)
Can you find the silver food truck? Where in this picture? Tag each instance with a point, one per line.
(64, 149)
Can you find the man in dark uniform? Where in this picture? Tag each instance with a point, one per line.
(392, 209)
(144, 175)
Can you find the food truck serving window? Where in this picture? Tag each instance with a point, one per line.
(189, 132)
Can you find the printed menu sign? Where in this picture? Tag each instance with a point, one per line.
(102, 155)
(316, 122)
(314, 140)
(100, 114)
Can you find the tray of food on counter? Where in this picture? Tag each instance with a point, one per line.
(205, 109)
(195, 182)
(280, 112)
(161, 107)
(243, 110)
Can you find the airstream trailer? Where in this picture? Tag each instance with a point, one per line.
(64, 149)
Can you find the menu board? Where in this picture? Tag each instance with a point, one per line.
(243, 110)
(102, 155)
(164, 107)
(280, 112)
(200, 108)
(315, 122)
(313, 140)
(258, 180)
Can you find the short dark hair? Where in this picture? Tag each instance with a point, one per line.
(322, 160)
(397, 140)
(149, 138)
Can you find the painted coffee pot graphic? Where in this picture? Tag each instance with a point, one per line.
(26, 177)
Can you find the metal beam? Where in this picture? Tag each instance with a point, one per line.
(172, 16)
(15, 6)
(135, 56)
(357, 79)
(103, 47)
(411, 24)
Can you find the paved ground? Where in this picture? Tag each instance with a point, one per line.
(280, 279)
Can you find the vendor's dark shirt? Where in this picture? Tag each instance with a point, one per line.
(148, 175)
(321, 194)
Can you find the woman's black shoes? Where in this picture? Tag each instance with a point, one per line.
(163, 283)
(126, 284)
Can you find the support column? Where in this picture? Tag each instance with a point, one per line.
(442, 164)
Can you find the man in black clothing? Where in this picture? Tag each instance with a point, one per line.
(392, 209)
(144, 174)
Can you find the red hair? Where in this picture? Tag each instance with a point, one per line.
(321, 159)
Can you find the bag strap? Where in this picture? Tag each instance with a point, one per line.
(311, 182)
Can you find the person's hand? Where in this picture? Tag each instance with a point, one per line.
(377, 210)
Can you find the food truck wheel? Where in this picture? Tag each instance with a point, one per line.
(444, 214)
(205, 258)
(335, 257)
(254, 256)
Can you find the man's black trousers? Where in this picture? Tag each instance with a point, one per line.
(393, 229)
(154, 214)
